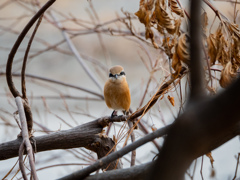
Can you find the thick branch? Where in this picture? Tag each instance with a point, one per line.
(141, 172)
(203, 127)
(196, 63)
(80, 136)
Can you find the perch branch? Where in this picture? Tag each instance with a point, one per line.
(79, 136)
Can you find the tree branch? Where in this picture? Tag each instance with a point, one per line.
(196, 63)
(15, 47)
(79, 136)
(141, 172)
(115, 155)
(75, 52)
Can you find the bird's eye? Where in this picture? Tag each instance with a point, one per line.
(122, 73)
(111, 75)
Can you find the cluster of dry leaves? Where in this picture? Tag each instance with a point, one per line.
(166, 17)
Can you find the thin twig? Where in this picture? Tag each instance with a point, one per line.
(201, 170)
(77, 55)
(15, 47)
(58, 82)
(235, 175)
(21, 162)
(25, 136)
(133, 139)
(26, 56)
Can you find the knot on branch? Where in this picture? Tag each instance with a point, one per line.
(104, 145)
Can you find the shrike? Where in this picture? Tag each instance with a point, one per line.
(116, 91)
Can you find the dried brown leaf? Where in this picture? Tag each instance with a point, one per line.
(163, 18)
(177, 24)
(168, 44)
(176, 64)
(236, 51)
(182, 49)
(227, 75)
(212, 48)
(204, 23)
(222, 47)
(171, 100)
(153, 127)
(209, 155)
(175, 8)
(144, 13)
(233, 28)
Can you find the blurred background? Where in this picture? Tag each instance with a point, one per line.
(99, 30)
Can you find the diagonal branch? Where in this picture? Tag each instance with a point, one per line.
(111, 157)
(76, 53)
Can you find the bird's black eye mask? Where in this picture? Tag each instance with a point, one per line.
(121, 74)
(111, 75)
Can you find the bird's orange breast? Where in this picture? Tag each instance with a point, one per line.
(117, 95)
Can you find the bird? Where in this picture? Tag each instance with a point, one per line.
(116, 91)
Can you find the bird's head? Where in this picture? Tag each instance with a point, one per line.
(116, 73)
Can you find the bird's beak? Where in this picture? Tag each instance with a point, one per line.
(116, 76)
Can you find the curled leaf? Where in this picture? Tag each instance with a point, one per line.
(236, 51)
(227, 75)
(144, 12)
(176, 65)
(163, 18)
(182, 49)
(181, 54)
(212, 48)
(233, 28)
(204, 23)
(175, 8)
(222, 47)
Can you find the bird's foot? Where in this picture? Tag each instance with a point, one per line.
(114, 113)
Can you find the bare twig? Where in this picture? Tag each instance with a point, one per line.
(25, 137)
(11, 85)
(201, 170)
(77, 55)
(21, 162)
(235, 175)
(25, 58)
(58, 82)
(133, 139)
